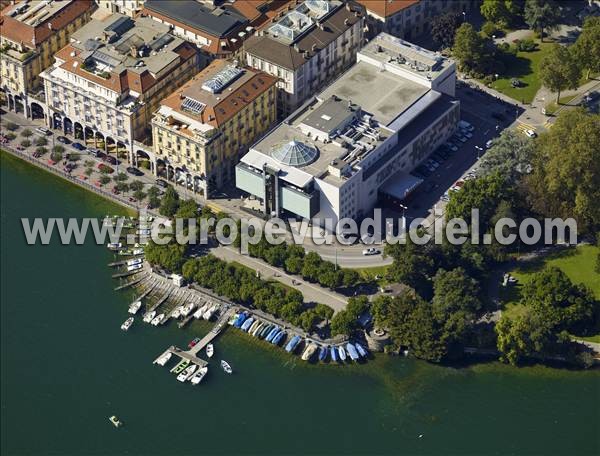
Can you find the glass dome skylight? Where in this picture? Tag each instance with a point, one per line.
(295, 153)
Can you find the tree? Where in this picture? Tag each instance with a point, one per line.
(88, 172)
(11, 126)
(136, 185)
(139, 195)
(443, 28)
(510, 156)
(58, 149)
(104, 179)
(587, 46)
(565, 181)
(523, 335)
(41, 150)
(153, 199)
(169, 203)
(188, 209)
(88, 164)
(122, 187)
(342, 323)
(121, 177)
(558, 302)
(41, 141)
(454, 291)
(468, 48)
(495, 11)
(25, 143)
(559, 70)
(542, 15)
(26, 133)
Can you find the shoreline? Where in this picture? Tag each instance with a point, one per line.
(72, 180)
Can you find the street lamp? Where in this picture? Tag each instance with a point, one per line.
(479, 149)
(464, 16)
(404, 208)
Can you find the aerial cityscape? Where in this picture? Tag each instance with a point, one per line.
(300, 227)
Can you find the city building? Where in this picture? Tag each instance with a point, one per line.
(261, 13)
(217, 31)
(358, 140)
(202, 130)
(30, 33)
(130, 8)
(307, 47)
(106, 84)
(408, 19)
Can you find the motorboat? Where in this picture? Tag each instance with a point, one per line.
(247, 324)
(134, 261)
(258, 329)
(176, 313)
(200, 311)
(194, 342)
(334, 356)
(158, 319)
(198, 376)
(323, 353)
(164, 358)
(127, 324)
(361, 350)
(226, 367)
(181, 366)
(351, 349)
(149, 316)
(114, 245)
(134, 307)
(187, 309)
(272, 334)
(240, 320)
(265, 332)
(187, 373)
(232, 320)
(278, 337)
(210, 312)
(134, 267)
(310, 349)
(210, 350)
(115, 421)
(292, 344)
(342, 353)
(254, 326)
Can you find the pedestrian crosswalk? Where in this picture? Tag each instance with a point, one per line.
(548, 124)
(523, 127)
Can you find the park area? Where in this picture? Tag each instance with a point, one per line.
(577, 263)
(524, 66)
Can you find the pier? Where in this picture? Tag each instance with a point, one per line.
(131, 283)
(217, 329)
(127, 273)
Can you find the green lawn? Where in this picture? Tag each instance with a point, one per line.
(552, 106)
(577, 264)
(368, 274)
(523, 66)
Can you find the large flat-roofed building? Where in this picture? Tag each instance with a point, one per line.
(106, 84)
(332, 157)
(201, 131)
(130, 8)
(307, 47)
(216, 29)
(30, 33)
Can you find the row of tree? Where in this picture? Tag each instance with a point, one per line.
(294, 260)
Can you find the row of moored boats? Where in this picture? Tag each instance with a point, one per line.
(277, 335)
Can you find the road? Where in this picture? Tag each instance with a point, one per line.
(311, 292)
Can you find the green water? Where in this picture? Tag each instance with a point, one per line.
(66, 367)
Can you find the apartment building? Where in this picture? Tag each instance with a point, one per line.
(409, 19)
(30, 33)
(358, 140)
(130, 8)
(306, 47)
(261, 13)
(105, 85)
(202, 130)
(218, 31)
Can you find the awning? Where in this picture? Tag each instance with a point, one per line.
(400, 185)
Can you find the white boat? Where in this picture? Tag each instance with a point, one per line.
(134, 261)
(114, 245)
(185, 311)
(258, 328)
(187, 373)
(137, 251)
(164, 359)
(134, 307)
(210, 312)
(253, 326)
(176, 312)
(127, 324)
(198, 314)
(198, 376)
(226, 367)
(233, 319)
(134, 267)
(158, 319)
(115, 421)
(149, 316)
(210, 350)
(309, 351)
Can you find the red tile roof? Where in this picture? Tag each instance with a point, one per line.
(386, 8)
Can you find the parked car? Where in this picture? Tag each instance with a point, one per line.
(134, 171)
(43, 131)
(63, 139)
(489, 143)
(111, 160)
(94, 152)
(530, 133)
(464, 125)
(451, 146)
(161, 183)
(78, 146)
(371, 251)
(100, 155)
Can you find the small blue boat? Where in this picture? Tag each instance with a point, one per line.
(264, 332)
(334, 357)
(270, 336)
(361, 351)
(278, 338)
(292, 344)
(247, 324)
(240, 319)
(351, 349)
(342, 354)
(322, 353)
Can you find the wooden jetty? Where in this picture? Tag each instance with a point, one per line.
(124, 262)
(217, 329)
(160, 301)
(130, 283)
(127, 273)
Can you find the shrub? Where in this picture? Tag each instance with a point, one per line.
(527, 45)
(11, 126)
(25, 143)
(59, 149)
(41, 141)
(26, 133)
(41, 150)
(10, 136)
(489, 29)
(56, 156)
